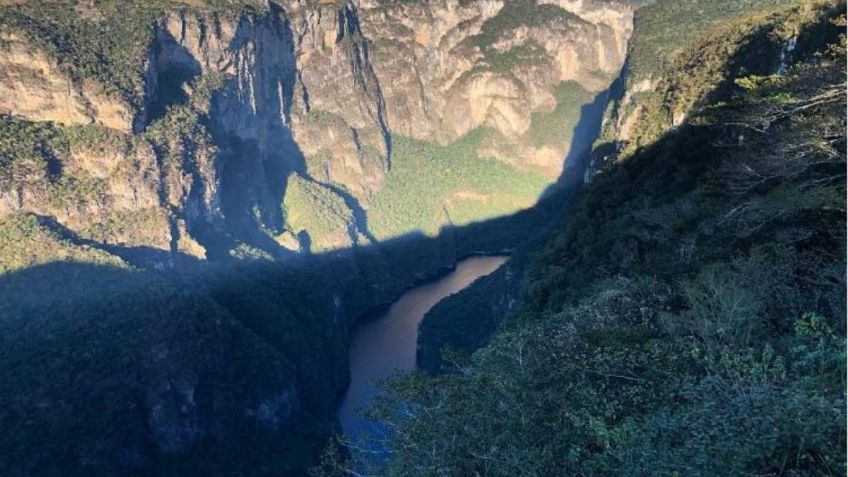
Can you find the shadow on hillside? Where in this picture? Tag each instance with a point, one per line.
(93, 338)
(93, 317)
(691, 147)
(72, 335)
(196, 351)
(585, 132)
(259, 152)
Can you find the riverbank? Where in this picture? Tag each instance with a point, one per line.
(385, 344)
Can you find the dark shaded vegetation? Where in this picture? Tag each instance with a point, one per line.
(448, 324)
(687, 319)
(219, 368)
(127, 379)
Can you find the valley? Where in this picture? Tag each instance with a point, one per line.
(385, 345)
(276, 166)
(203, 203)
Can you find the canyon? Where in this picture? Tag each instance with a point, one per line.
(234, 160)
(200, 201)
(310, 97)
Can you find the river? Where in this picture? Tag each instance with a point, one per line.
(388, 344)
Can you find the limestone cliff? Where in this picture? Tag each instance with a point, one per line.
(33, 87)
(223, 107)
(145, 140)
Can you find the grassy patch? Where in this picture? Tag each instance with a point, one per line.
(26, 241)
(556, 127)
(318, 212)
(431, 184)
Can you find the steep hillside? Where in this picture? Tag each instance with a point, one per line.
(195, 116)
(679, 62)
(701, 69)
(198, 199)
(688, 315)
(229, 185)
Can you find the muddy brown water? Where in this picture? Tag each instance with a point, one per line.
(387, 345)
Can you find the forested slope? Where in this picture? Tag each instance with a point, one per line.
(687, 318)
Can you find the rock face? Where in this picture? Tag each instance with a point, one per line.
(295, 86)
(447, 72)
(248, 133)
(312, 89)
(33, 87)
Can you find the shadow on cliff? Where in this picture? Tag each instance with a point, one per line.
(301, 309)
(175, 67)
(578, 160)
(451, 323)
(82, 341)
(258, 152)
(75, 383)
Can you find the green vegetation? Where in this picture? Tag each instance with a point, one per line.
(77, 192)
(27, 241)
(28, 148)
(556, 128)
(519, 13)
(746, 40)
(431, 186)
(325, 117)
(49, 162)
(25, 149)
(528, 54)
(40, 155)
(123, 225)
(96, 139)
(105, 40)
(688, 318)
(516, 14)
(667, 27)
(75, 355)
(319, 212)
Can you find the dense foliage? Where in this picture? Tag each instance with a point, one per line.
(432, 185)
(666, 27)
(102, 40)
(689, 319)
(28, 240)
(660, 95)
(517, 14)
(557, 127)
(319, 213)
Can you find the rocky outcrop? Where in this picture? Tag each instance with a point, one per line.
(316, 90)
(492, 64)
(446, 75)
(295, 86)
(254, 133)
(33, 86)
